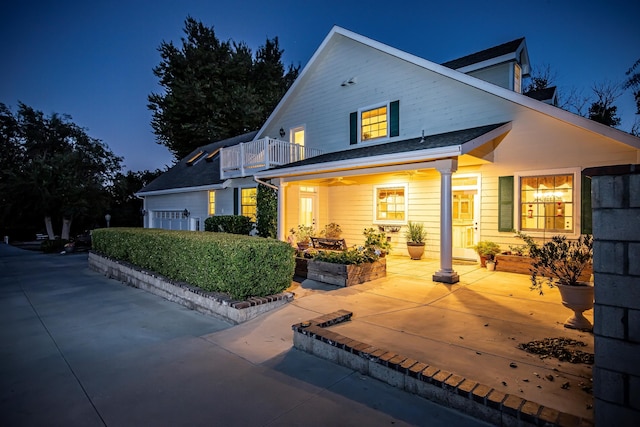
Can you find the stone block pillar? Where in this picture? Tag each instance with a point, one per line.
(615, 198)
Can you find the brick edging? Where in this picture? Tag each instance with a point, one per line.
(464, 394)
(210, 303)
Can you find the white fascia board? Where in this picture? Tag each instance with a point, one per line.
(406, 157)
(182, 190)
(517, 98)
(471, 145)
(487, 63)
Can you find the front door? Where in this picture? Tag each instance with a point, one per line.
(308, 203)
(465, 212)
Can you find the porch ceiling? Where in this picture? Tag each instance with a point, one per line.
(470, 146)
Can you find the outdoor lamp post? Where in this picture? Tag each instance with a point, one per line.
(107, 218)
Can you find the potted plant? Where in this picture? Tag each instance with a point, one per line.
(376, 240)
(302, 235)
(415, 236)
(486, 250)
(561, 263)
(331, 231)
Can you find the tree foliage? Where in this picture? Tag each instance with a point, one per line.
(124, 207)
(602, 109)
(633, 83)
(267, 211)
(214, 89)
(51, 168)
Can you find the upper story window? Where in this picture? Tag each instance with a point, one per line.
(390, 205)
(517, 78)
(375, 123)
(297, 135)
(547, 203)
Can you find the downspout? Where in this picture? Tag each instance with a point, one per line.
(259, 181)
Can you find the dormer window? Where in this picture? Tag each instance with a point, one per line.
(517, 78)
(193, 160)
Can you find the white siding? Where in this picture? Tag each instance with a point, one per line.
(428, 101)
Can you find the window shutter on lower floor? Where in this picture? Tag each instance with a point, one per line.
(505, 203)
(585, 206)
(353, 128)
(394, 118)
(236, 200)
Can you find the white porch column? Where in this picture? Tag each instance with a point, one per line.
(446, 273)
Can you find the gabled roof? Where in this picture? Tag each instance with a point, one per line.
(201, 173)
(471, 81)
(432, 147)
(506, 51)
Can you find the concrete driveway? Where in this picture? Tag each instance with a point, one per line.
(81, 350)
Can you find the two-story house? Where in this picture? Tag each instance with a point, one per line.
(369, 135)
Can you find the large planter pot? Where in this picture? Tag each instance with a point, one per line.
(416, 250)
(346, 275)
(578, 299)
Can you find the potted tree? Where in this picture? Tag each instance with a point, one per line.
(487, 250)
(561, 263)
(415, 236)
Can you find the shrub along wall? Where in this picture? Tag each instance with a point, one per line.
(241, 266)
(234, 224)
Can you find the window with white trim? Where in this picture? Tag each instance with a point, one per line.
(373, 123)
(547, 202)
(390, 204)
(212, 203)
(248, 202)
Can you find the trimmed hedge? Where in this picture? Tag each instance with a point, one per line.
(241, 266)
(234, 224)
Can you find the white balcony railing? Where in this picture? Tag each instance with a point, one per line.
(247, 158)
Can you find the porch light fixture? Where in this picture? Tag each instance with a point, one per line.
(107, 218)
(143, 212)
(282, 133)
(186, 213)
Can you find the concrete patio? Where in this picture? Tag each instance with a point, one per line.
(471, 329)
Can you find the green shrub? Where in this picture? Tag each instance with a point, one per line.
(234, 224)
(240, 266)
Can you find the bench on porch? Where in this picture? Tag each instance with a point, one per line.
(327, 244)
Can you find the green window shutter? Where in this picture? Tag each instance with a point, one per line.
(586, 226)
(236, 200)
(394, 118)
(505, 203)
(353, 128)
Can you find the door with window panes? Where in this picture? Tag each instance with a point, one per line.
(465, 213)
(308, 204)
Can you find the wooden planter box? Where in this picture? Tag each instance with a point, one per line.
(346, 275)
(521, 264)
(301, 267)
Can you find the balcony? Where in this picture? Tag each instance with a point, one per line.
(250, 157)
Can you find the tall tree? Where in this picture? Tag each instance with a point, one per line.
(214, 89)
(603, 110)
(633, 83)
(56, 170)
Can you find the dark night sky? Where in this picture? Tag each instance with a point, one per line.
(93, 60)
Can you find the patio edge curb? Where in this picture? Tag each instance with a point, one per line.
(463, 394)
(209, 303)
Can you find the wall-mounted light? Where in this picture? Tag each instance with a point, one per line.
(186, 213)
(282, 133)
(143, 212)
